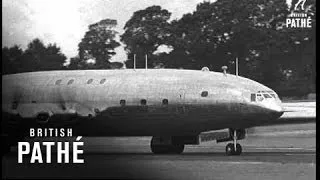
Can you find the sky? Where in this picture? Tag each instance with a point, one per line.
(65, 22)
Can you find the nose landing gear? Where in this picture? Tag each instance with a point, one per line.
(233, 148)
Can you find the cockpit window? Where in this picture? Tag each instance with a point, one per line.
(267, 96)
(259, 97)
(253, 97)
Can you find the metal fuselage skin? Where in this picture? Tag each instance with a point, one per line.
(177, 102)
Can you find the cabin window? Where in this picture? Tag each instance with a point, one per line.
(143, 102)
(63, 107)
(253, 97)
(122, 102)
(90, 81)
(58, 82)
(204, 93)
(70, 82)
(14, 105)
(102, 81)
(96, 110)
(33, 102)
(165, 102)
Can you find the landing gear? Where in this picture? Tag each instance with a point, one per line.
(230, 150)
(160, 145)
(233, 148)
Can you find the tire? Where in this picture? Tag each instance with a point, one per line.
(178, 148)
(158, 149)
(166, 148)
(238, 150)
(230, 149)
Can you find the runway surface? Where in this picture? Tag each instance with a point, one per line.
(264, 157)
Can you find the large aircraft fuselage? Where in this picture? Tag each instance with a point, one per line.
(138, 102)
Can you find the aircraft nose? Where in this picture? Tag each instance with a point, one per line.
(276, 110)
(276, 114)
(276, 107)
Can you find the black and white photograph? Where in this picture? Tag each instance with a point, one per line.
(158, 89)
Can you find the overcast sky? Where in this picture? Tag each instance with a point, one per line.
(65, 22)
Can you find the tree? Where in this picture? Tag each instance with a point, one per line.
(32, 56)
(10, 57)
(194, 39)
(218, 33)
(299, 60)
(37, 57)
(76, 63)
(145, 31)
(53, 59)
(98, 45)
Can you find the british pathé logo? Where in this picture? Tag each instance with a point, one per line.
(299, 18)
(301, 3)
(62, 149)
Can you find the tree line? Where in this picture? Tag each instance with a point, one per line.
(37, 57)
(214, 35)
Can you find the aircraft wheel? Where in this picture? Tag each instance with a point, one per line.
(178, 148)
(231, 151)
(238, 150)
(158, 148)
